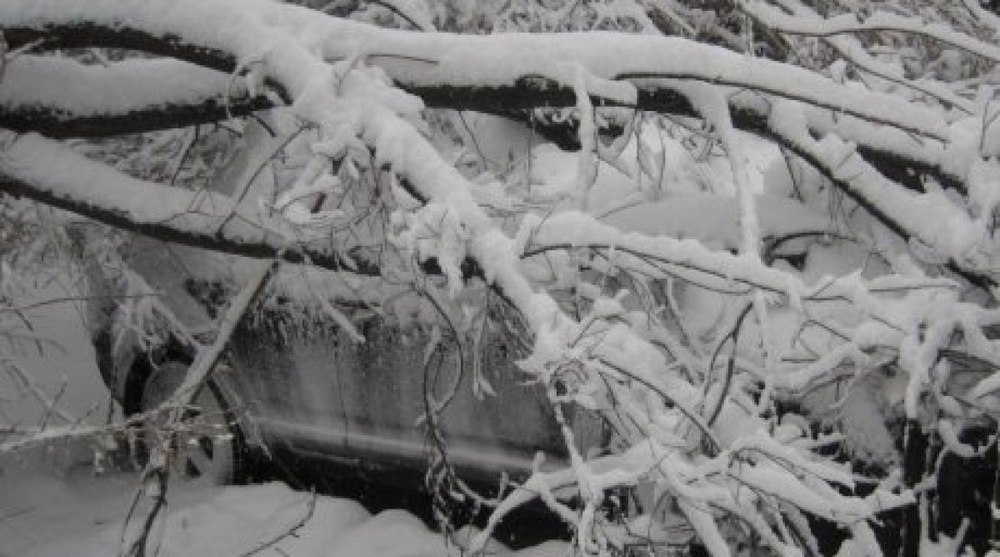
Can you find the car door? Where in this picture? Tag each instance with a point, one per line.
(315, 391)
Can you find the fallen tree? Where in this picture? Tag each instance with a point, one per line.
(902, 163)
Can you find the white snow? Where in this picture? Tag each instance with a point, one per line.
(66, 176)
(878, 21)
(340, 76)
(684, 216)
(255, 30)
(81, 515)
(806, 21)
(67, 87)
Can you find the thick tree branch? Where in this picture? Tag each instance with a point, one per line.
(86, 34)
(48, 172)
(438, 85)
(60, 97)
(58, 125)
(57, 120)
(898, 209)
(418, 65)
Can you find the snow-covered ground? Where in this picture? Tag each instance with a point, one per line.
(56, 357)
(52, 504)
(81, 515)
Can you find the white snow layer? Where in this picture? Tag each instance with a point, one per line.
(68, 87)
(81, 516)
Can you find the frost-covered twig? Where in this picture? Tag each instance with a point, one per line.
(49, 405)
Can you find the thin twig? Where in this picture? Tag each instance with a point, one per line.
(291, 531)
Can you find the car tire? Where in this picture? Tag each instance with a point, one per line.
(209, 451)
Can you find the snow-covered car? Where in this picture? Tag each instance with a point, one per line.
(373, 374)
(318, 370)
(315, 369)
(361, 390)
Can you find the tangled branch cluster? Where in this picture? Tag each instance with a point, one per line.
(714, 358)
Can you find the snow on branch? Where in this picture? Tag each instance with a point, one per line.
(931, 218)
(462, 71)
(50, 172)
(721, 271)
(473, 72)
(853, 51)
(983, 15)
(60, 97)
(696, 424)
(879, 21)
(479, 72)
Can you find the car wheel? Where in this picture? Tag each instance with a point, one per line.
(207, 449)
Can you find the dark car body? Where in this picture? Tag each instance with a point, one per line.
(298, 383)
(318, 392)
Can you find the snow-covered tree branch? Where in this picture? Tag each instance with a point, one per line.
(743, 254)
